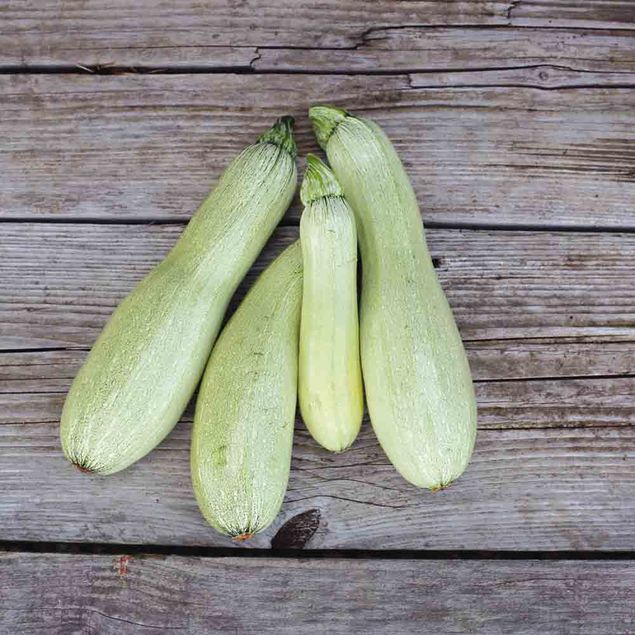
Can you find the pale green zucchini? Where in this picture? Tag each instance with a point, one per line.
(416, 375)
(243, 425)
(146, 363)
(330, 378)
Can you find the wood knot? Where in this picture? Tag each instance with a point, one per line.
(297, 531)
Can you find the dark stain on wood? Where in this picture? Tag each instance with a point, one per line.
(297, 531)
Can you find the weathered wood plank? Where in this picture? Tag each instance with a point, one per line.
(524, 404)
(544, 77)
(525, 489)
(215, 34)
(522, 359)
(150, 147)
(51, 371)
(611, 13)
(60, 282)
(33, 384)
(47, 31)
(53, 593)
(451, 49)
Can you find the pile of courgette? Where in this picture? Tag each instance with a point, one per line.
(296, 336)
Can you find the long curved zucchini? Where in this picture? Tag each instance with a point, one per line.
(330, 377)
(146, 363)
(416, 375)
(243, 425)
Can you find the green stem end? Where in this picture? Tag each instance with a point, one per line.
(325, 119)
(319, 182)
(281, 135)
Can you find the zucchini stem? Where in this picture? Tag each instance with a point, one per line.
(281, 135)
(319, 182)
(325, 119)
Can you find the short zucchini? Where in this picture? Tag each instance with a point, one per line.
(330, 378)
(416, 375)
(245, 412)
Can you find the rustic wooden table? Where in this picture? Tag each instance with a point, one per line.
(516, 122)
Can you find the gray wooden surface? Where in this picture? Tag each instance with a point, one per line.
(515, 122)
(121, 595)
(492, 150)
(215, 33)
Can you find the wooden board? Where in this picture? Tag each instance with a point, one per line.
(128, 594)
(527, 489)
(541, 77)
(213, 34)
(191, 32)
(554, 403)
(34, 385)
(601, 56)
(150, 147)
(611, 13)
(534, 362)
(60, 282)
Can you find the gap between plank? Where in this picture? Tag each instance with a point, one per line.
(504, 380)
(250, 69)
(508, 380)
(140, 550)
(572, 339)
(182, 220)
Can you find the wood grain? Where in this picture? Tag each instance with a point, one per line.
(150, 147)
(504, 404)
(447, 50)
(48, 31)
(533, 489)
(33, 385)
(541, 77)
(60, 282)
(611, 13)
(59, 594)
(214, 34)
(51, 371)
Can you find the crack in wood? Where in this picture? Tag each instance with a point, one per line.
(95, 611)
(514, 4)
(342, 498)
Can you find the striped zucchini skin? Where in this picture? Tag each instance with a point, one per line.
(417, 379)
(244, 420)
(330, 378)
(145, 365)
